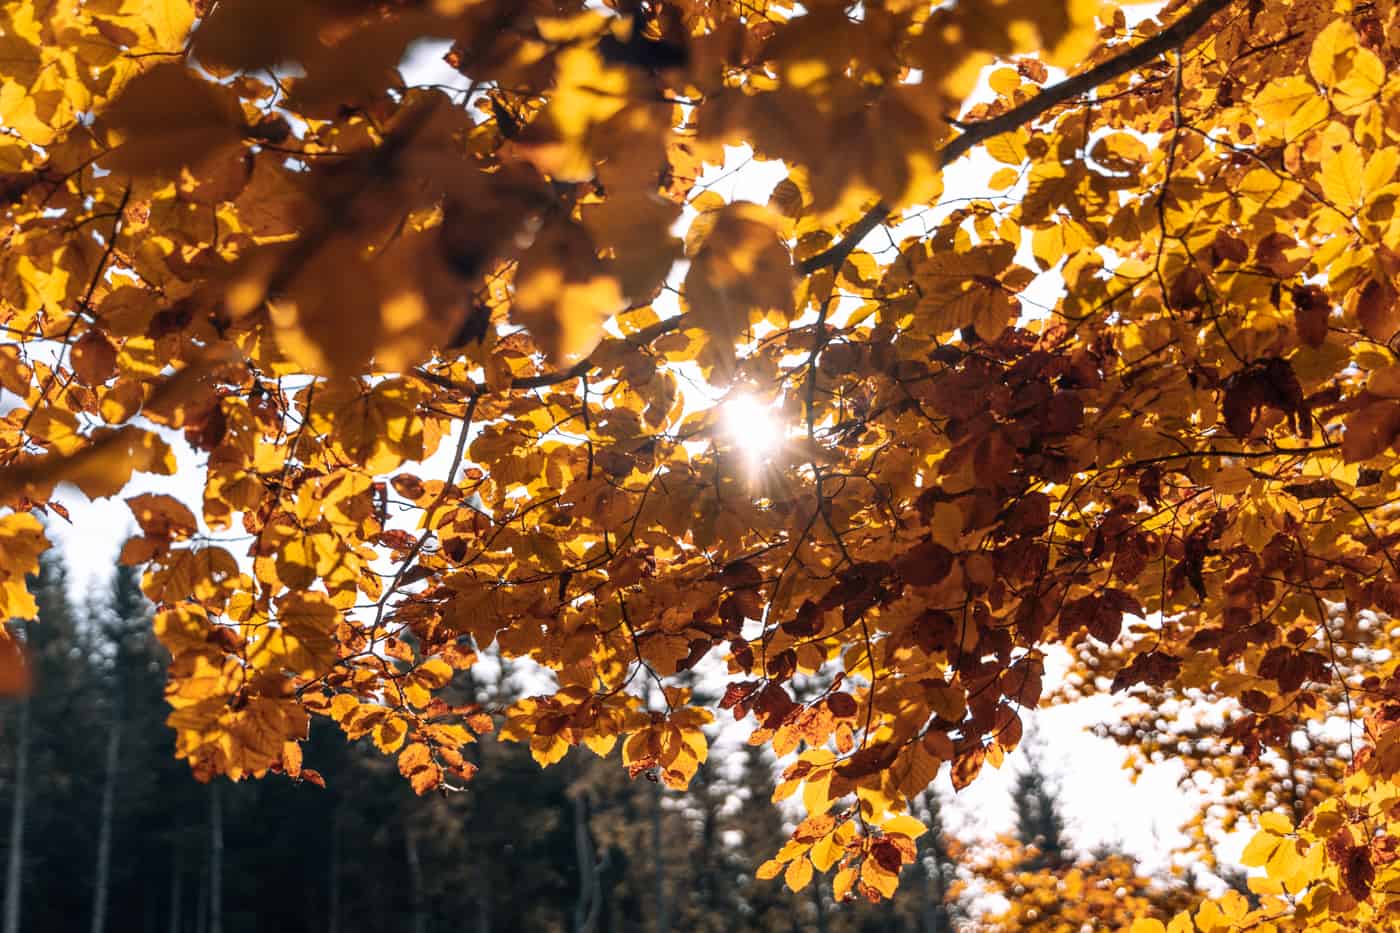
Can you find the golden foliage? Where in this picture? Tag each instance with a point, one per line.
(323, 280)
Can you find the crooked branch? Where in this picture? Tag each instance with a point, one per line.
(973, 134)
(976, 133)
(1173, 36)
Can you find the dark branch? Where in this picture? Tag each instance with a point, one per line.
(641, 338)
(580, 369)
(976, 133)
(1173, 36)
(834, 255)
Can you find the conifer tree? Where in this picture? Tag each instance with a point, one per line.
(1040, 826)
(130, 684)
(55, 805)
(935, 871)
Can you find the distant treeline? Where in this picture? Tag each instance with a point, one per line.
(106, 831)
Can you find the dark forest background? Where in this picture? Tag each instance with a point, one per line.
(105, 831)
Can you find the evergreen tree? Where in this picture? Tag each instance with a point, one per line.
(936, 870)
(159, 812)
(767, 906)
(1039, 823)
(705, 901)
(577, 848)
(57, 810)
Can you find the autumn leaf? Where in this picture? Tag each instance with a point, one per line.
(162, 517)
(742, 269)
(22, 540)
(169, 119)
(14, 669)
(471, 378)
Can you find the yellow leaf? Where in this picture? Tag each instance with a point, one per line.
(1341, 177)
(563, 293)
(905, 825)
(843, 882)
(389, 734)
(414, 756)
(816, 792)
(1285, 861)
(1290, 107)
(425, 779)
(798, 874)
(1259, 849)
(874, 874)
(826, 852)
(1181, 923)
(303, 641)
(343, 707)
(379, 428)
(291, 759)
(547, 749)
(1332, 51)
(183, 628)
(21, 542)
(1008, 148)
(600, 745)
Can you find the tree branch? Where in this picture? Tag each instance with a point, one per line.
(835, 254)
(1174, 35)
(641, 338)
(975, 133)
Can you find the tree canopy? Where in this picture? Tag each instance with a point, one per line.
(1068, 326)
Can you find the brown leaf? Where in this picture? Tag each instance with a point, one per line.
(1358, 873)
(14, 670)
(1311, 309)
(925, 564)
(967, 765)
(742, 268)
(1377, 311)
(170, 118)
(162, 517)
(842, 705)
(1371, 430)
(94, 358)
(868, 761)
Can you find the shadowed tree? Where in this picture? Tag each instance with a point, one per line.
(1040, 825)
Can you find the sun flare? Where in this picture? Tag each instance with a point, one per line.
(753, 427)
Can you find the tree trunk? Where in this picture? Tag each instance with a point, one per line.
(590, 890)
(216, 860)
(483, 906)
(415, 880)
(333, 894)
(819, 902)
(173, 926)
(663, 919)
(104, 830)
(201, 910)
(14, 871)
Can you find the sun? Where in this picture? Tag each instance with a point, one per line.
(753, 427)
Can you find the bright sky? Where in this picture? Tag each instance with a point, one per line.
(1101, 804)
